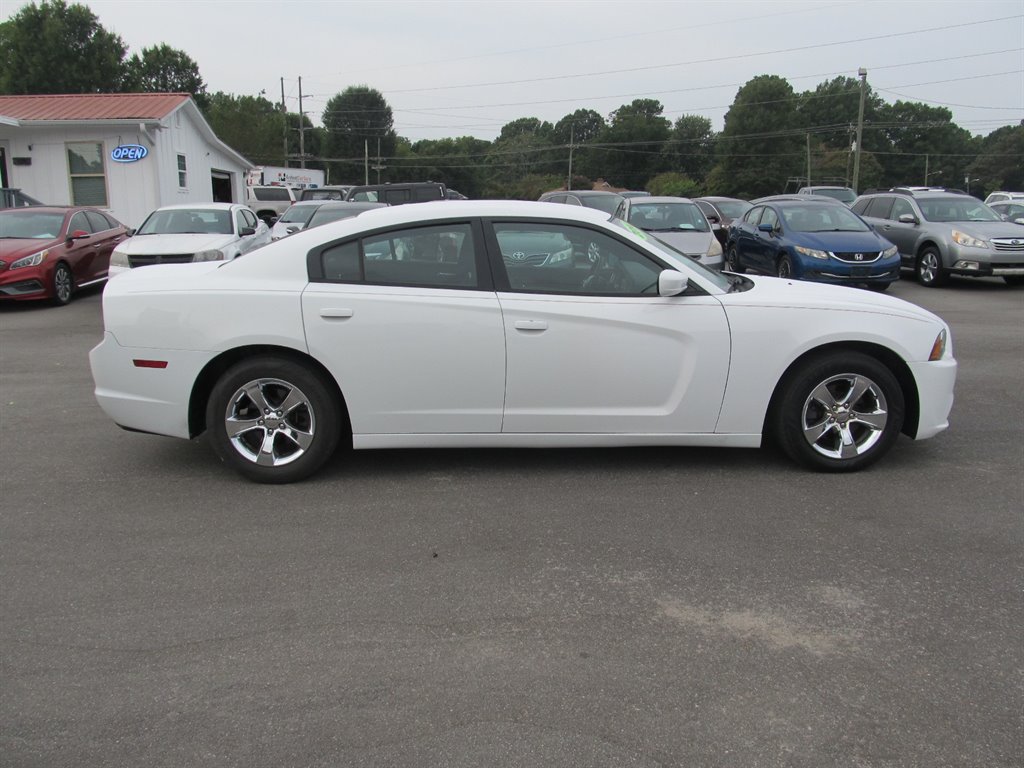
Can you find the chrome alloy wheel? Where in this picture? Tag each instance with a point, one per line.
(844, 416)
(270, 422)
(62, 284)
(928, 270)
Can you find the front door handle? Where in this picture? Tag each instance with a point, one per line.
(336, 314)
(531, 325)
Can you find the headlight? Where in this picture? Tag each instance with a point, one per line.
(716, 247)
(888, 253)
(119, 259)
(29, 261)
(964, 239)
(213, 255)
(939, 347)
(813, 252)
(560, 257)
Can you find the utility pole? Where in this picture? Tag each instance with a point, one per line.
(926, 170)
(284, 122)
(302, 129)
(808, 159)
(377, 166)
(366, 161)
(863, 73)
(572, 134)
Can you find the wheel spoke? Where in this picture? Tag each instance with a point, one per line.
(293, 401)
(876, 420)
(236, 427)
(849, 447)
(823, 395)
(254, 391)
(302, 439)
(815, 432)
(858, 387)
(266, 456)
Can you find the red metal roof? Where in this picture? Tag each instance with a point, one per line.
(92, 106)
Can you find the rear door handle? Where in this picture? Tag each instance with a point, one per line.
(531, 325)
(336, 314)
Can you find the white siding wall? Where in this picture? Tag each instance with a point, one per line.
(133, 189)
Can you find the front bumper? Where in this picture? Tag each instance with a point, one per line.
(983, 262)
(26, 283)
(935, 383)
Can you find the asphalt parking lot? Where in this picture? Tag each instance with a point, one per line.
(648, 607)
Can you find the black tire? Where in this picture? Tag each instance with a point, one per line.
(63, 284)
(815, 397)
(929, 270)
(879, 287)
(733, 260)
(784, 267)
(1014, 280)
(301, 438)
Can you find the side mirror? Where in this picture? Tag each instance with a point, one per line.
(766, 228)
(907, 218)
(1019, 220)
(246, 231)
(713, 219)
(672, 283)
(130, 232)
(78, 234)
(272, 221)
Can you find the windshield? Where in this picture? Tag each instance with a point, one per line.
(297, 214)
(663, 249)
(30, 225)
(187, 221)
(325, 215)
(837, 193)
(734, 209)
(606, 203)
(956, 209)
(822, 217)
(668, 217)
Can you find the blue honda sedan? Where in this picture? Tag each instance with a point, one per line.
(819, 241)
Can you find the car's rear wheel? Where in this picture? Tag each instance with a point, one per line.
(840, 412)
(273, 420)
(733, 259)
(63, 284)
(784, 267)
(929, 269)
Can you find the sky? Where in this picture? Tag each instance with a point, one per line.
(451, 68)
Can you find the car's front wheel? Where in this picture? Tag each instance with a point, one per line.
(784, 266)
(839, 412)
(929, 269)
(733, 260)
(273, 420)
(63, 284)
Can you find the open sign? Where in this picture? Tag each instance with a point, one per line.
(128, 153)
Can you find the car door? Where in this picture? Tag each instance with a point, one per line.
(765, 245)
(592, 347)
(80, 251)
(408, 323)
(902, 234)
(744, 239)
(106, 236)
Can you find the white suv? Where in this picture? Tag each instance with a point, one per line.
(1003, 197)
(269, 202)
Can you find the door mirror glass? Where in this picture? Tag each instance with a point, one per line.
(246, 231)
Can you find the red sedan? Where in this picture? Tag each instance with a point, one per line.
(48, 252)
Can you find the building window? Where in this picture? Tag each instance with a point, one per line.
(85, 169)
(182, 172)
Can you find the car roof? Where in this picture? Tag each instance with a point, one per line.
(720, 198)
(582, 192)
(805, 199)
(352, 205)
(194, 206)
(52, 209)
(659, 199)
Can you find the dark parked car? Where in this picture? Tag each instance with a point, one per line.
(48, 252)
(842, 194)
(720, 211)
(588, 198)
(810, 240)
(398, 194)
(337, 192)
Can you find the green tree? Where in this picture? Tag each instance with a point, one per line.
(923, 139)
(1000, 164)
(358, 120)
(54, 47)
(691, 148)
(459, 163)
(761, 144)
(633, 143)
(251, 125)
(162, 69)
(673, 184)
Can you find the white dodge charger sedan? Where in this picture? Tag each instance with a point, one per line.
(496, 323)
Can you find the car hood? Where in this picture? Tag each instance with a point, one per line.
(785, 292)
(691, 243)
(985, 230)
(145, 245)
(840, 242)
(15, 248)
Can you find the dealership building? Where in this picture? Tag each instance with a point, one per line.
(125, 153)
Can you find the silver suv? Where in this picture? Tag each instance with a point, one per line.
(945, 233)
